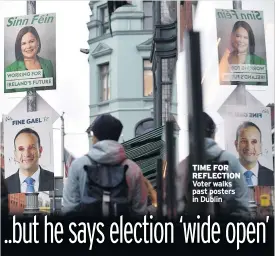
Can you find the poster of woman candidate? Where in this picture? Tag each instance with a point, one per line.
(28, 152)
(248, 137)
(241, 49)
(30, 53)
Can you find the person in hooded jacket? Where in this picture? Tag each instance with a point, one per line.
(105, 150)
(234, 205)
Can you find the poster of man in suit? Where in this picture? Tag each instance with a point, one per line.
(28, 152)
(248, 136)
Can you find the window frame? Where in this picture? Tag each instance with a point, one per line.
(103, 24)
(101, 87)
(145, 69)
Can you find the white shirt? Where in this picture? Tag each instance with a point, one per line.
(35, 176)
(255, 171)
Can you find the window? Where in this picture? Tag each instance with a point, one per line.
(148, 15)
(144, 126)
(104, 82)
(104, 18)
(147, 79)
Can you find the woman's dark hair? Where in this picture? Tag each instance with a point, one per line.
(251, 37)
(21, 33)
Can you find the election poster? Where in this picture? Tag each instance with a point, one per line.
(1, 148)
(28, 152)
(30, 53)
(241, 47)
(248, 137)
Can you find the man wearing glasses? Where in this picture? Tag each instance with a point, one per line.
(30, 177)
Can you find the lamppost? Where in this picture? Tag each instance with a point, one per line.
(57, 193)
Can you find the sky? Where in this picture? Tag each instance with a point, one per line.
(72, 93)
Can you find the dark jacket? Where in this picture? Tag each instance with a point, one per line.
(46, 182)
(265, 176)
(4, 197)
(232, 204)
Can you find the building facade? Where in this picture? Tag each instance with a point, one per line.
(17, 203)
(121, 80)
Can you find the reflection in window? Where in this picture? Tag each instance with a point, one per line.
(104, 82)
(147, 79)
(144, 126)
(148, 15)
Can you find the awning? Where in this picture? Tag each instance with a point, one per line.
(142, 139)
(145, 150)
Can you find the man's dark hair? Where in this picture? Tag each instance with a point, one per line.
(251, 37)
(29, 131)
(210, 126)
(246, 125)
(21, 33)
(106, 127)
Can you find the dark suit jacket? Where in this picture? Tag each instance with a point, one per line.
(4, 196)
(265, 176)
(46, 182)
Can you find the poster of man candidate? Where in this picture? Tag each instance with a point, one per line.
(241, 48)
(248, 137)
(28, 152)
(30, 53)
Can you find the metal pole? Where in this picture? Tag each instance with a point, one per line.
(170, 177)
(159, 189)
(155, 90)
(240, 89)
(155, 98)
(159, 92)
(62, 161)
(62, 144)
(237, 5)
(195, 109)
(32, 206)
(157, 17)
(31, 94)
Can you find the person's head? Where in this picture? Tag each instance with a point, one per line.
(209, 126)
(248, 142)
(27, 149)
(106, 127)
(242, 38)
(27, 44)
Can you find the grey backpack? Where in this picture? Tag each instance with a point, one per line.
(106, 191)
